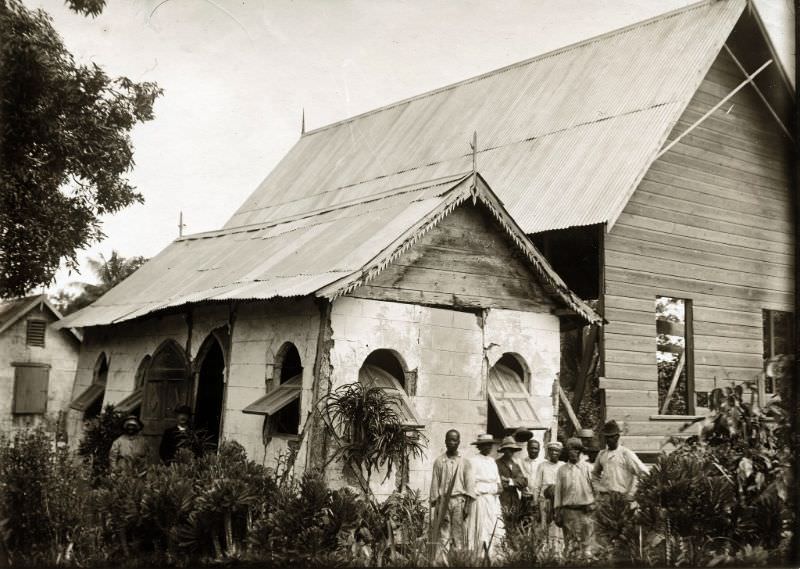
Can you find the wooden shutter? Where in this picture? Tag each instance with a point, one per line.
(30, 388)
(35, 332)
(277, 399)
(374, 376)
(510, 400)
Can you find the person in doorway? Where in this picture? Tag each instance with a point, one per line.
(131, 447)
(617, 469)
(485, 528)
(177, 436)
(511, 479)
(544, 492)
(529, 465)
(449, 493)
(573, 500)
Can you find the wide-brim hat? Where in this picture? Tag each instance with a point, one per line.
(133, 419)
(509, 443)
(610, 428)
(574, 443)
(522, 435)
(183, 409)
(483, 439)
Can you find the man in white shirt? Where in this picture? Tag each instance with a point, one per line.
(544, 488)
(617, 469)
(574, 500)
(449, 475)
(529, 465)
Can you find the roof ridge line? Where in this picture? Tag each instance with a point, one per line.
(441, 181)
(541, 56)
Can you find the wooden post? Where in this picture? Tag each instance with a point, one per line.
(554, 423)
(674, 382)
(574, 418)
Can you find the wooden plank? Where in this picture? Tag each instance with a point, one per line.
(628, 384)
(683, 154)
(755, 144)
(626, 357)
(728, 323)
(632, 398)
(627, 288)
(639, 216)
(700, 273)
(734, 126)
(682, 287)
(726, 344)
(644, 318)
(631, 371)
(630, 343)
(728, 359)
(680, 244)
(633, 329)
(460, 301)
(628, 303)
(623, 413)
(687, 202)
(572, 417)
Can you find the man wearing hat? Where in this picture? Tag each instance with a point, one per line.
(590, 451)
(543, 489)
(617, 468)
(511, 478)
(177, 436)
(485, 515)
(574, 500)
(131, 446)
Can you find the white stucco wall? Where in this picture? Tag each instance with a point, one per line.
(259, 330)
(452, 353)
(60, 352)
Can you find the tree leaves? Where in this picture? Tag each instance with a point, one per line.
(65, 147)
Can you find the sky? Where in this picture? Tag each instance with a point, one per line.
(237, 75)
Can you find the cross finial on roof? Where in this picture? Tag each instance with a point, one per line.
(303, 122)
(474, 146)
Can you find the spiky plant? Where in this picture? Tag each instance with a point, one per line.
(370, 430)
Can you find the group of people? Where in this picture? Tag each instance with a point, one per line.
(474, 499)
(132, 446)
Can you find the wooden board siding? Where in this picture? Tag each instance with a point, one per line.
(711, 222)
(464, 261)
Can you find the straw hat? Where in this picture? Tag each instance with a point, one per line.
(483, 439)
(575, 443)
(509, 443)
(523, 435)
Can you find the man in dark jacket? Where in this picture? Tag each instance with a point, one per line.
(177, 436)
(512, 479)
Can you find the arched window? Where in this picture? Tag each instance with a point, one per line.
(132, 404)
(384, 369)
(90, 401)
(281, 406)
(509, 403)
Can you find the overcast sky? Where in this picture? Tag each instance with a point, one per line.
(236, 75)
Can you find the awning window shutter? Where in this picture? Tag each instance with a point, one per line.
(277, 399)
(30, 389)
(373, 376)
(511, 401)
(89, 396)
(131, 402)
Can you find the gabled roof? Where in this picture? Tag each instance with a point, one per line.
(12, 310)
(564, 138)
(326, 254)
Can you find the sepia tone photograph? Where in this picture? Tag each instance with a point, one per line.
(346, 283)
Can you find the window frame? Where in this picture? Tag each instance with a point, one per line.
(15, 399)
(35, 321)
(688, 365)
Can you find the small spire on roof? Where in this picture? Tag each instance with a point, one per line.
(474, 146)
(303, 122)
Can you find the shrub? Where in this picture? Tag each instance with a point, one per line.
(99, 434)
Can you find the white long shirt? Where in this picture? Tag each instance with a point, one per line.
(618, 470)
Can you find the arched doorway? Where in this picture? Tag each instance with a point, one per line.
(210, 389)
(167, 385)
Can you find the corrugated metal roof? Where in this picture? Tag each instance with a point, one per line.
(564, 137)
(327, 254)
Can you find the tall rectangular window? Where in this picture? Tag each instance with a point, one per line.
(34, 334)
(778, 328)
(674, 356)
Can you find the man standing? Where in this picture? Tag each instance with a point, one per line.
(589, 453)
(485, 527)
(130, 447)
(511, 478)
(529, 466)
(617, 468)
(574, 500)
(449, 475)
(177, 436)
(543, 491)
